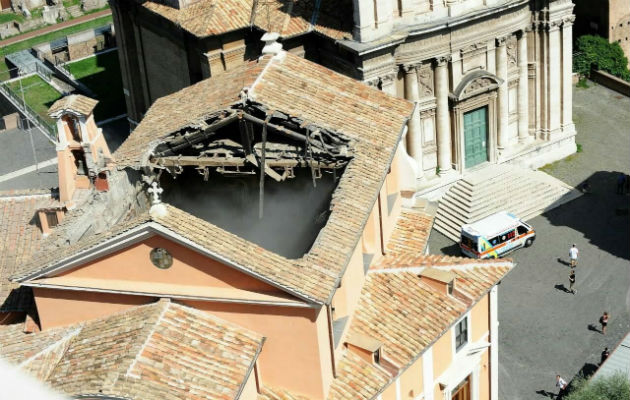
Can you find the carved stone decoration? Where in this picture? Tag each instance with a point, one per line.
(374, 82)
(425, 81)
(511, 52)
(388, 79)
(501, 41)
(478, 85)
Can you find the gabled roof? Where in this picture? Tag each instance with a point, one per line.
(301, 280)
(289, 18)
(76, 103)
(357, 379)
(157, 351)
(20, 238)
(372, 120)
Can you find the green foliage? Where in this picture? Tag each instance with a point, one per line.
(8, 17)
(615, 387)
(579, 148)
(594, 52)
(582, 83)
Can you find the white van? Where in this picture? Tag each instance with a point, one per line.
(495, 236)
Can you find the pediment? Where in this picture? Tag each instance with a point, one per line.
(475, 83)
(155, 264)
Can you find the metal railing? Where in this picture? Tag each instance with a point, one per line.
(46, 127)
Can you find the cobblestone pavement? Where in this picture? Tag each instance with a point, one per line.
(544, 330)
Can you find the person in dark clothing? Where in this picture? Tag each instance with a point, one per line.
(605, 355)
(621, 183)
(572, 281)
(627, 184)
(603, 320)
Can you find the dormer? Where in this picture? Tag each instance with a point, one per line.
(440, 280)
(365, 347)
(83, 156)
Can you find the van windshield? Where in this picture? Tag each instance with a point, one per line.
(471, 243)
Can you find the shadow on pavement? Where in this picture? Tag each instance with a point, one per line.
(562, 288)
(545, 393)
(452, 250)
(599, 216)
(592, 327)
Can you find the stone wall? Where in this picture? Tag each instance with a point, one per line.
(619, 24)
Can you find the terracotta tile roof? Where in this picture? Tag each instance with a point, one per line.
(188, 107)
(20, 238)
(158, 351)
(390, 300)
(75, 102)
(17, 347)
(287, 17)
(357, 379)
(269, 393)
(369, 118)
(410, 235)
(297, 277)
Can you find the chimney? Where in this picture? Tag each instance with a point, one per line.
(440, 280)
(82, 153)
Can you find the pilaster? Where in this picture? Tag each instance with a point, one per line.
(523, 89)
(554, 108)
(567, 72)
(502, 100)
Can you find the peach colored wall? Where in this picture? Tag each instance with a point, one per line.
(66, 171)
(480, 319)
(250, 392)
(390, 392)
(371, 239)
(411, 381)
(368, 356)
(442, 354)
(66, 307)
(347, 296)
(484, 378)
(292, 356)
(189, 268)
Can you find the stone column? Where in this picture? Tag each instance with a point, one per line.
(414, 134)
(567, 72)
(442, 115)
(554, 105)
(502, 100)
(523, 89)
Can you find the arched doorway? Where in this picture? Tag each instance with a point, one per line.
(473, 112)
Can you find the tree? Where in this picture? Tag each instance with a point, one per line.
(595, 52)
(614, 387)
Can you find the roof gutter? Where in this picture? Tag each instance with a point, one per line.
(250, 369)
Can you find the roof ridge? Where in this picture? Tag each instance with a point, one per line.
(165, 306)
(64, 339)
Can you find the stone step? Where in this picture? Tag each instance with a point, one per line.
(75, 11)
(525, 193)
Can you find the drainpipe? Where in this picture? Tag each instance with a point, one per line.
(331, 339)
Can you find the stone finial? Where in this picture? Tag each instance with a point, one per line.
(271, 44)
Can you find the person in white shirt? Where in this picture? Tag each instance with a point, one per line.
(573, 255)
(561, 384)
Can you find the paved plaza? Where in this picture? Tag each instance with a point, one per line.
(545, 330)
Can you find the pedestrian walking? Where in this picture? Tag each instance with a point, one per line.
(572, 281)
(603, 321)
(621, 183)
(573, 255)
(605, 355)
(561, 384)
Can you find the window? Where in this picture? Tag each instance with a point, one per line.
(521, 230)
(377, 356)
(51, 219)
(461, 333)
(504, 237)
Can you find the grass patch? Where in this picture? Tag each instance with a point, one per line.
(582, 83)
(549, 168)
(47, 37)
(101, 74)
(38, 94)
(8, 17)
(579, 147)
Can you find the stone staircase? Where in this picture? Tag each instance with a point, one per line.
(525, 193)
(75, 10)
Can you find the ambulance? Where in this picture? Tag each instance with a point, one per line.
(495, 235)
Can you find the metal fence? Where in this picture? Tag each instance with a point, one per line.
(46, 127)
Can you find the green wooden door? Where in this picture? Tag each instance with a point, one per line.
(476, 136)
